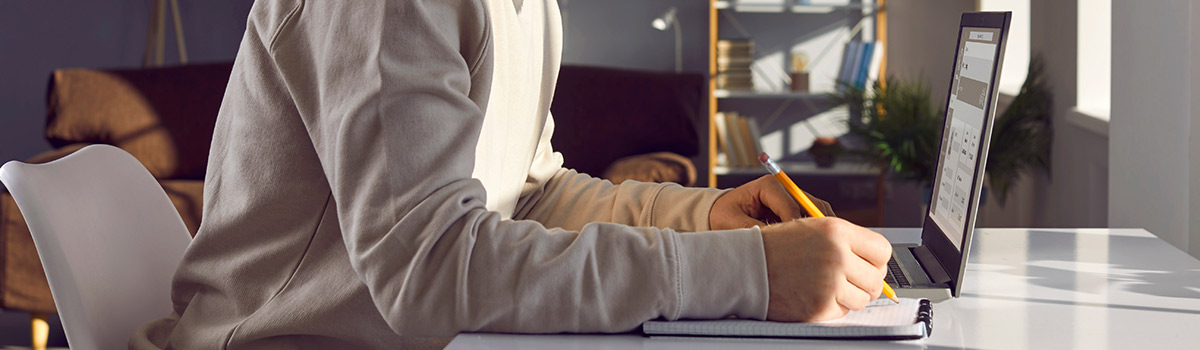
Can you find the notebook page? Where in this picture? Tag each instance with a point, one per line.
(880, 313)
(881, 318)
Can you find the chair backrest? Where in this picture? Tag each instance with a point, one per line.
(108, 237)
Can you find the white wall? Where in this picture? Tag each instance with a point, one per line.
(1194, 143)
(1075, 194)
(617, 33)
(1155, 68)
(922, 37)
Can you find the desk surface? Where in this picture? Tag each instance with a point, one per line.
(1024, 288)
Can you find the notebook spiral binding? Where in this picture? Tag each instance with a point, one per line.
(925, 314)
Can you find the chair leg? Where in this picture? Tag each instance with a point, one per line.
(41, 330)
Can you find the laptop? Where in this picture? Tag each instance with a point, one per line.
(934, 269)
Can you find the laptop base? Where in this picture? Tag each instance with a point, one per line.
(931, 293)
(920, 285)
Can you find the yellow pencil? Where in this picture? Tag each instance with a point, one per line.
(808, 205)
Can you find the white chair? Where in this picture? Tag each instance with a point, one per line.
(108, 237)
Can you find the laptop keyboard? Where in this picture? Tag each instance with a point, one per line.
(895, 275)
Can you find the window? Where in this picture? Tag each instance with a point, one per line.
(1016, 52)
(1094, 59)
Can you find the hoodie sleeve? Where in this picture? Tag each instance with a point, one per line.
(392, 94)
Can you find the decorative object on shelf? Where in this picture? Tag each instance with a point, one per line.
(156, 35)
(668, 19)
(896, 127)
(734, 57)
(799, 72)
(825, 150)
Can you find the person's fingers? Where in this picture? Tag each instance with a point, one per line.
(865, 277)
(774, 197)
(869, 245)
(851, 297)
(822, 205)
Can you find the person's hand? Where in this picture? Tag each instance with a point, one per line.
(821, 268)
(759, 202)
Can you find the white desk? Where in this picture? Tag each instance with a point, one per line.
(1024, 288)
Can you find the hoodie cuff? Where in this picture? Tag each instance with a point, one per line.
(722, 273)
(683, 208)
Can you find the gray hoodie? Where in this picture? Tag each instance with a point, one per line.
(382, 170)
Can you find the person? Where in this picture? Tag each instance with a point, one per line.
(381, 172)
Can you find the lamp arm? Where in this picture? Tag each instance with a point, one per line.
(678, 46)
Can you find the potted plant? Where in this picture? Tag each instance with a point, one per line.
(896, 127)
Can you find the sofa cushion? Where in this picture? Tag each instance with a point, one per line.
(653, 167)
(164, 117)
(22, 283)
(605, 114)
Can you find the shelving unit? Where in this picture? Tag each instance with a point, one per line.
(875, 12)
(858, 187)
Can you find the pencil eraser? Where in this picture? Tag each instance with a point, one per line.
(762, 157)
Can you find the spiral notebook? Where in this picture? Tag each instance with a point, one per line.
(882, 319)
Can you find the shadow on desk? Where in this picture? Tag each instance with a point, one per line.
(1089, 265)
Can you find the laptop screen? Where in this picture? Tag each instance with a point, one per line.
(966, 121)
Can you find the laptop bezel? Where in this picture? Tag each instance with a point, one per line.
(950, 258)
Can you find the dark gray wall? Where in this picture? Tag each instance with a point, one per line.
(37, 37)
(617, 33)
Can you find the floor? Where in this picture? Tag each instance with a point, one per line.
(14, 331)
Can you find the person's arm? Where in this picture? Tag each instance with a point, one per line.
(393, 99)
(559, 197)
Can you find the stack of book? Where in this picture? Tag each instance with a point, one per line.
(738, 140)
(860, 64)
(733, 64)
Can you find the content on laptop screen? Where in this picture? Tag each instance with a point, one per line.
(966, 113)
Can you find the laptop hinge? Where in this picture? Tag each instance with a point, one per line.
(933, 269)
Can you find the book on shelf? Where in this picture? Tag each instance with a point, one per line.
(863, 65)
(724, 146)
(847, 59)
(735, 140)
(734, 57)
(755, 141)
(860, 64)
(749, 149)
(738, 139)
(856, 63)
(876, 62)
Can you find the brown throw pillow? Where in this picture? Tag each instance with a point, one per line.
(653, 167)
(163, 116)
